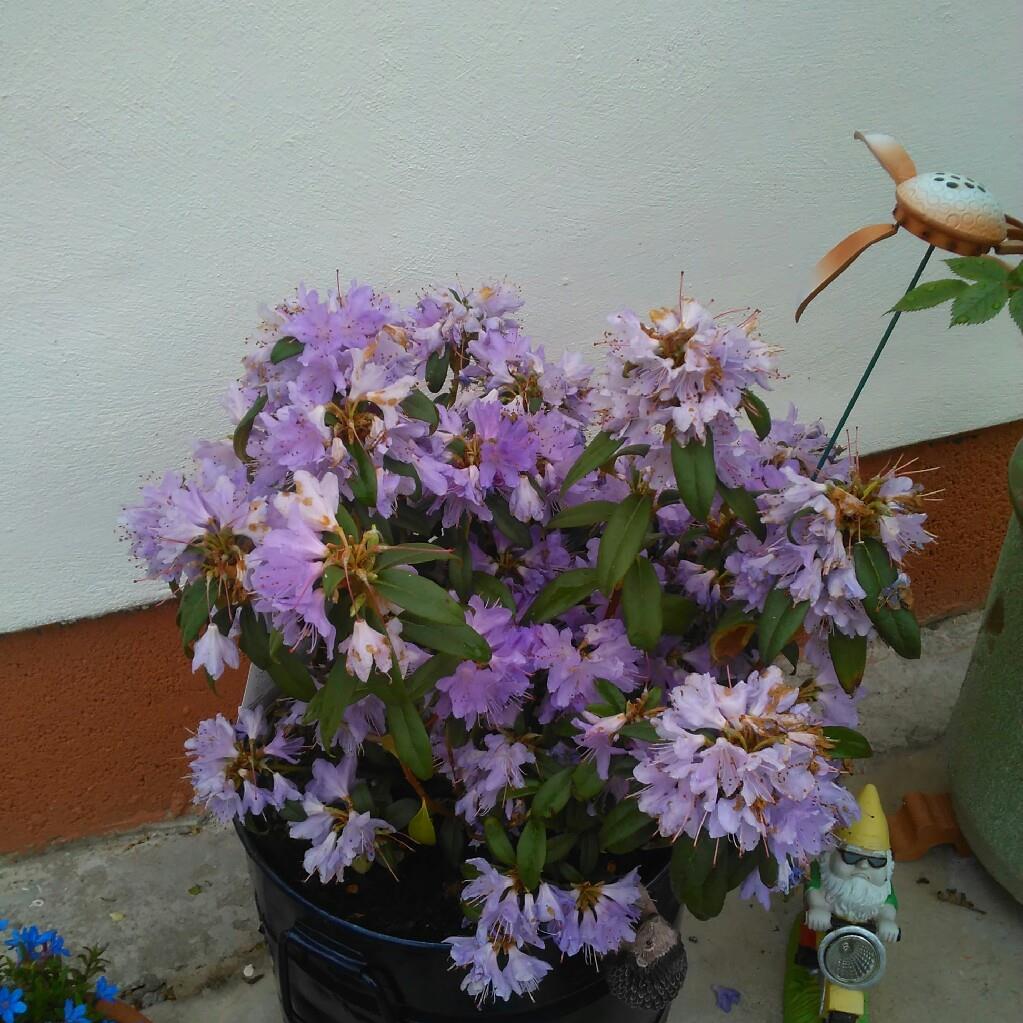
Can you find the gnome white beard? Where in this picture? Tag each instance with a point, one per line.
(853, 898)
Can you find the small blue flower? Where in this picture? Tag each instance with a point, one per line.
(31, 943)
(4, 924)
(74, 1013)
(105, 991)
(11, 1004)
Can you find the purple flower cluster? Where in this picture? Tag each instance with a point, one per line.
(744, 763)
(592, 918)
(237, 768)
(407, 530)
(339, 834)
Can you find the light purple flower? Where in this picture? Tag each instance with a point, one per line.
(236, 767)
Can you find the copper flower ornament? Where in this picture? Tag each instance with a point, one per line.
(948, 211)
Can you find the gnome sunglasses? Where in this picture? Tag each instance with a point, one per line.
(855, 858)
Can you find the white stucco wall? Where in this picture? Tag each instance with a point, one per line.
(166, 166)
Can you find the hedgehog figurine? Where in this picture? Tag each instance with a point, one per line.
(648, 973)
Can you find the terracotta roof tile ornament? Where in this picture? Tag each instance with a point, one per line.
(948, 211)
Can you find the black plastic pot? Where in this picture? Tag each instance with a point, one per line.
(330, 970)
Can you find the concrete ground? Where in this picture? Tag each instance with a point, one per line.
(951, 963)
(174, 905)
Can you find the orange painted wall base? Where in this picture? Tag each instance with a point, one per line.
(95, 712)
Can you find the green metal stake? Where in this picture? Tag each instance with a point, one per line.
(833, 440)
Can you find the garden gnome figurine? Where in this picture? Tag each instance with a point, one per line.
(852, 883)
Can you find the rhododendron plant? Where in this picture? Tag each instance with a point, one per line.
(545, 616)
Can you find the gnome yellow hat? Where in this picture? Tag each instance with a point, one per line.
(870, 832)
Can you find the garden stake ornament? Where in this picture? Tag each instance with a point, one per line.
(948, 211)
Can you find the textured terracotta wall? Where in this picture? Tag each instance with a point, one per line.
(95, 711)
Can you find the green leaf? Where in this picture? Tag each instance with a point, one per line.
(437, 368)
(927, 295)
(285, 348)
(460, 566)
(408, 471)
(642, 730)
(623, 539)
(739, 865)
(678, 613)
(877, 575)
(293, 810)
(430, 672)
(731, 634)
(596, 453)
(560, 846)
(744, 505)
(611, 693)
(641, 603)
(275, 645)
(588, 514)
(420, 406)
(461, 641)
(1016, 307)
(421, 829)
(779, 622)
(561, 593)
(364, 482)
(452, 841)
(758, 413)
(400, 812)
(874, 570)
(331, 701)
(979, 303)
(492, 590)
(624, 820)
(695, 475)
(899, 628)
(498, 842)
(978, 268)
(849, 659)
(197, 600)
(767, 867)
(254, 641)
(707, 900)
(410, 738)
(421, 596)
(333, 576)
(791, 654)
(846, 743)
(291, 675)
(244, 427)
(553, 794)
(515, 530)
(347, 523)
(531, 853)
(586, 780)
(411, 554)
(1015, 475)
(690, 863)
